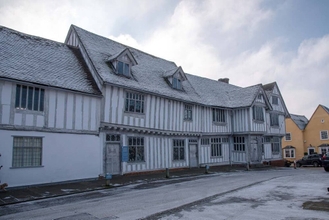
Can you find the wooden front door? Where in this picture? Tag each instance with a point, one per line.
(112, 158)
(193, 155)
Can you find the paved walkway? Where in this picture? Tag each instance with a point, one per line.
(23, 194)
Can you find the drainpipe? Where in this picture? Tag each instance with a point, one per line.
(230, 141)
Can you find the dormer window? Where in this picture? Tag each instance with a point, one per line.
(123, 68)
(122, 62)
(176, 83)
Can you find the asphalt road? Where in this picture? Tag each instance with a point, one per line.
(272, 194)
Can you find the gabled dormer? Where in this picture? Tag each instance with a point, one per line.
(275, 98)
(122, 62)
(175, 77)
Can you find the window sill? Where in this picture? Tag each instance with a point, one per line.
(275, 126)
(135, 114)
(178, 161)
(219, 123)
(135, 162)
(258, 121)
(215, 157)
(26, 111)
(188, 120)
(26, 167)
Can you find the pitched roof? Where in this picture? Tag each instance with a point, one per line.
(37, 60)
(300, 120)
(325, 108)
(148, 75)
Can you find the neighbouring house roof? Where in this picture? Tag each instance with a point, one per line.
(325, 108)
(148, 75)
(289, 147)
(37, 60)
(300, 120)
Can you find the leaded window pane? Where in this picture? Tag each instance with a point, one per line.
(27, 151)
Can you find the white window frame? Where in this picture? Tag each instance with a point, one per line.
(188, 112)
(134, 100)
(125, 68)
(29, 98)
(324, 135)
(289, 153)
(216, 147)
(177, 83)
(178, 149)
(274, 119)
(136, 149)
(27, 151)
(257, 113)
(239, 144)
(276, 102)
(218, 115)
(275, 145)
(287, 137)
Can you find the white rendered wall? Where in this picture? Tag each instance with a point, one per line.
(64, 157)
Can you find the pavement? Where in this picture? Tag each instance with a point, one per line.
(38, 192)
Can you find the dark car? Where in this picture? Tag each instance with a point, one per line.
(310, 160)
(325, 162)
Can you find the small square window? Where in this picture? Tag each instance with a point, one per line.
(123, 68)
(275, 100)
(324, 135)
(176, 83)
(288, 136)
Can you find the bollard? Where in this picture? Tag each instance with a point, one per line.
(167, 173)
(108, 176)
(294, 164)
(206, 169)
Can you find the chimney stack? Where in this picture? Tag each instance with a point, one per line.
(224, 80)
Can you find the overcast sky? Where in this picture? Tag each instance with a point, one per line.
(249, 42)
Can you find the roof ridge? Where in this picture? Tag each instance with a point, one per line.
(32, 37)
(74, 26)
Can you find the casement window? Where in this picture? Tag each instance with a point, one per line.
(29, 98)
(218, 115)
(239, 144)
(136, 149)
(123, 68)
(260, 97)
(324, 135)
(289, 153)
(134, 102)
(205, 141)
(112, 137)
(274, 119)
(275, 145)
(27, 152)
(288, 137)
(258, 114)
(275, 100)
(178, 149)
(188, 112)
(176, 83)
(216, 147)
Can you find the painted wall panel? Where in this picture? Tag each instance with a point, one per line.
(67, 148)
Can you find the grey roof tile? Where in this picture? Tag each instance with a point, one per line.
(149, 75)
(300, 120)
(33, 59)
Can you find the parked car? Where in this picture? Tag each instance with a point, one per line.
(310, 160)
(325, 162)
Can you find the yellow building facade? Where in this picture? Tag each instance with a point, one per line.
(304, 137)
(293, 142)
(316, 132)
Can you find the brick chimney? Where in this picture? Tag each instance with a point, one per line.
(224, 80)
